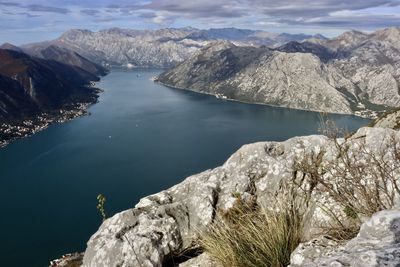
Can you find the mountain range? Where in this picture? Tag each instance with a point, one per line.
(353, 73)
(161, 48)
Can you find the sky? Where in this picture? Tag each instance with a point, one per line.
(25, 21)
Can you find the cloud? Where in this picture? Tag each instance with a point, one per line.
(189, 9)
(356, 21)
(8, 4)
(307, 9)
(29, 15)
(268, 12)
(50, 9)
(90, 12)
(106, 19)
(310, 16)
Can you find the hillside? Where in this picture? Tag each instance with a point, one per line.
(353, 73)
(34, 92)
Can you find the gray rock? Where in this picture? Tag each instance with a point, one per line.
(377, 244)
(202, 260)
(168, 223)
(390, 120)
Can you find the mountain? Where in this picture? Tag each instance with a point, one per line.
(261, 75)
(154, 48)
(324, 53)
(34, 92)
(9, 46)
(72, 58)
(29, 85)
(352, 73)
(249, 37)
(14, 101)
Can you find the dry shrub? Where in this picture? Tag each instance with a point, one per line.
(249, 236)
(360, 180)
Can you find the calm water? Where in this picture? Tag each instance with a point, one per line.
(141, 138)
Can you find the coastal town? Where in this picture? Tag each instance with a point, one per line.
(10, 131)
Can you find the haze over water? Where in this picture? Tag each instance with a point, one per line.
(140, 138)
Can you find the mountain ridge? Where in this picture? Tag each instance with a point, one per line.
(354, 73)
(154, 48)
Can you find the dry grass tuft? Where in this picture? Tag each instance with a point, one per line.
(252, 237)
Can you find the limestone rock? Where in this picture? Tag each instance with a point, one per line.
(377, 244)
(202, 260)
(390, 120)
(166, 224)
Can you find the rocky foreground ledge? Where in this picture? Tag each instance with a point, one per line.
(162, 228)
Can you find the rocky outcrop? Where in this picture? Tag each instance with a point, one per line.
(390, 120)
(68, 260)
(203, 260)
(377, 244)
(353, 73)
(167, 224)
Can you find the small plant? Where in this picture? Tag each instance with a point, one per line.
(350, 213)
(249, 236)
(236, 194)
(101, 200)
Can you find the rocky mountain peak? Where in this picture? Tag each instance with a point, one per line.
(350, 38)
(74, 33)
(218, 45)
(391, 35)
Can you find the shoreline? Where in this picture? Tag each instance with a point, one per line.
(13, 131)
(371, 117)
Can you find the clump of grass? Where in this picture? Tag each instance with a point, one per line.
(249, 236)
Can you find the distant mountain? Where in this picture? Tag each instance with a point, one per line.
(261, 75)
(72, 58)
(155, 48)
(352, 73)
(29, 85)
(11, 47)
(324, 53)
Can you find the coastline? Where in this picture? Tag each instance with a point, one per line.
(372, 117)
(12, 131)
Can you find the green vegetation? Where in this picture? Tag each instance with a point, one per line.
(101, 200)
